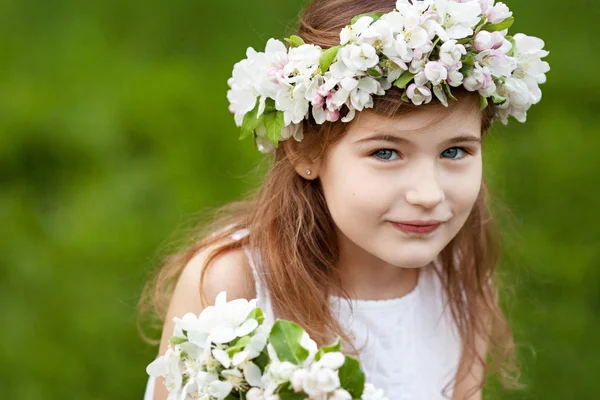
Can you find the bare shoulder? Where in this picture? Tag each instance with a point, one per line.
(229, 271)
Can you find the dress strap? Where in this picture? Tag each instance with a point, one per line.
(262, 295)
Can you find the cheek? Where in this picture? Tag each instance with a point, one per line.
(351, 189)
(463, 188)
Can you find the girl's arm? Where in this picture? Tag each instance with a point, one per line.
(230, 272)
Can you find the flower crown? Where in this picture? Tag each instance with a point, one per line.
(423, 47)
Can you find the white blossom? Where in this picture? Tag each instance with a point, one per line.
(350, 33)
(340, 394)
(451, 53)
(485, 40)
(371, 393)
(219, 389)
(498, 63)
(292, 101)
(255, 394)
(455, 78)
(225, 321)
(459, 18)
(529, 51)
(418, 94)
(498, 13)
(244, 92)
(333, 360)
(435, 72)
(320, 380)
(358, 57)
(480, 79)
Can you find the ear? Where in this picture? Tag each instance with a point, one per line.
(306, 167)
(308, 170)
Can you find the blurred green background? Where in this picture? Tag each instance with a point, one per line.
(115, 130)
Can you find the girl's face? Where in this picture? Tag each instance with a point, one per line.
(398, 195)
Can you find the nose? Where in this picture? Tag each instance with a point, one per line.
(426, 190)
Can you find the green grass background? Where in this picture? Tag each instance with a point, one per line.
(114, 130)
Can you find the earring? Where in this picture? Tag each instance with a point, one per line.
(308, 172)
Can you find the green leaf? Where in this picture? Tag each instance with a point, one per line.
(274, 125)
(352, 378)
(507, 23)
(480, 24)
(177, 340)
(404, 79)
(497, 99)
(332, 348)
(448, 91)
(289, 395)
(256, 314)
(269, 105)
(405, 98)
(469, 60)
(238, 345)
(483, 103)
(374, 73)
(511, 52)
(327, 58)
(335, 346)
(295, 41)
(250, 122)
(359, 16)
(285, 338)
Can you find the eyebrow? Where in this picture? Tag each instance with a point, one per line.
(401, 140)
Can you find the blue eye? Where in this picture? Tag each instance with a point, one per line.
(385, 154)
(454, 153)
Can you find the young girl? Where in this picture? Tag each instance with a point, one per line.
(372, 223)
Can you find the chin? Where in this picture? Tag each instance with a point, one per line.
(411, 260)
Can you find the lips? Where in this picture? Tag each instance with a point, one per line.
(417, 227)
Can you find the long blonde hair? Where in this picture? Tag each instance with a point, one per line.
(294, 236)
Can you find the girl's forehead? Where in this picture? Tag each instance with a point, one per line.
(427, 124)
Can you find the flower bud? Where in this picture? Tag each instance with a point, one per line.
(298, 379)
(255, 394)
(488, 40)
(455, 78)
(333, 360)
(498, 13)
(435, 72)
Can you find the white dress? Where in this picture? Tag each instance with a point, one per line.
(412, 349)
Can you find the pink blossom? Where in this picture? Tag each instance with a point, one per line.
(318, 101)
(488, 40)
(498, 13)
(435, 72)
(332, 116)
(418, 95)
(455, 78)
(323, 91)
(480, 79)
